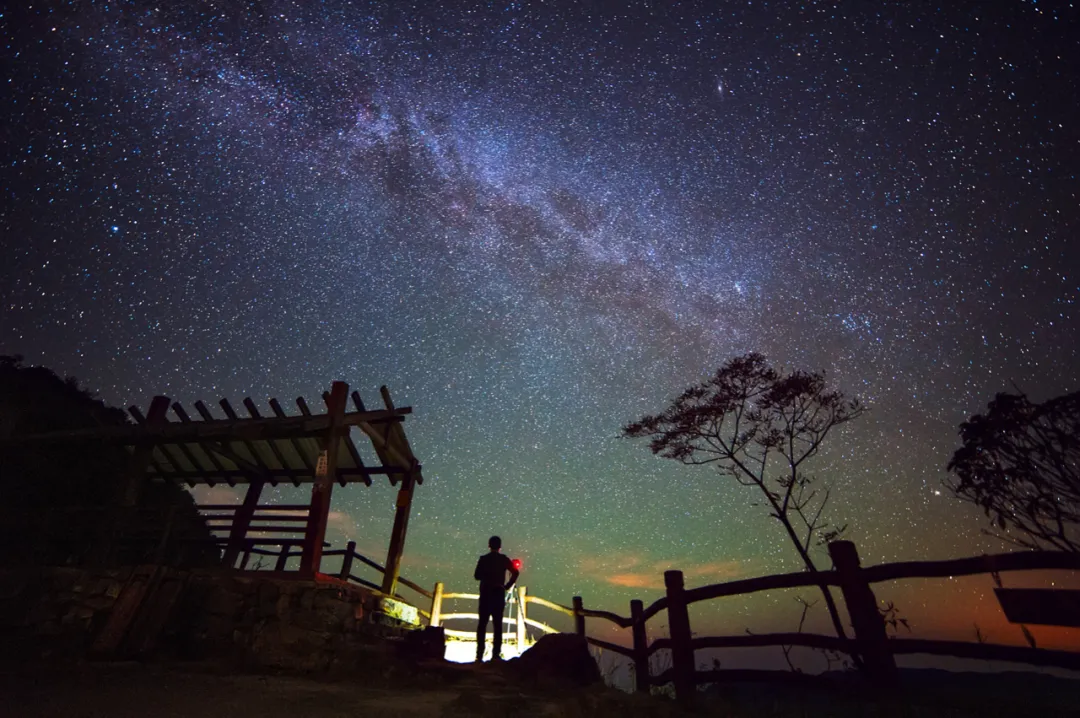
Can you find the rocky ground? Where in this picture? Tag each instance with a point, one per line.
(130, 690)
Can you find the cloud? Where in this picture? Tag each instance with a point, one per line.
(219, 494)
(639, 571)
(341, 521)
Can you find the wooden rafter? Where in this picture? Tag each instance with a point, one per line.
(185, 419)
(268, 428)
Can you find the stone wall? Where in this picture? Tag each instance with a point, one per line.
(244, 621)
(54, 611)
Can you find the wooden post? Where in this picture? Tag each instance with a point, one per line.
(397, 535)
(119, 515)
(346, 561)
(579, 616)
(140, 457)
(520, 635)
(871, 639)
(436, 605)
(682, 651)
(160, 553)
(325, 473)
(241, 522)
(393, 443)
(641, 646)
(282, 558)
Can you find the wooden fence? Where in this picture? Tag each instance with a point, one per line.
(521, 620)
(871, 644)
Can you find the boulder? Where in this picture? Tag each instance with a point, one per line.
(427, 644)
(560, 658)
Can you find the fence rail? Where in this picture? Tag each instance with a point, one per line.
(520, 622)
(871, 645)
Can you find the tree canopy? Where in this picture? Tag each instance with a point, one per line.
(52, 495)
(760, 426)
(1020, 463)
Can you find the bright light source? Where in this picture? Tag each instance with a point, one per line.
(516, 563)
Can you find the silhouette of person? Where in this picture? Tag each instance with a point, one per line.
(491, 573)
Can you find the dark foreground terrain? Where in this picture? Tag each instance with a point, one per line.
(130, 690)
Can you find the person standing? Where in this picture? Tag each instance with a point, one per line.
(491, 573)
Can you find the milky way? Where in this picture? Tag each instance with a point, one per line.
(537, 222)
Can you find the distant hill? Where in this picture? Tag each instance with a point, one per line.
(53, 496)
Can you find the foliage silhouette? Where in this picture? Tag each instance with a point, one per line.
(54, 497)
(1020, 463)
(760, 426)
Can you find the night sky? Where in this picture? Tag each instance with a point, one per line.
(536, 222)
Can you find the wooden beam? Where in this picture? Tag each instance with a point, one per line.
(436, 605)
(641, 646)
(388, 453)
(153, 462)
(349, 446)
(253, 411)
(1013, 561)
(218, 467)
(255, 458)
(280, 413)
(218, 429)
(871, 638)
(227, 453)
(346, 561)
(579, 616)
(241, 520)
(326, 472)
(144, 452)
(682, 651)
(297, 476)
(397, 536)
(521, 616)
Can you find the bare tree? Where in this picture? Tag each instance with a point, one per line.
(1020, 463)
(760, 426)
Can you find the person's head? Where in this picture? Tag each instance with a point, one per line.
(494, 543)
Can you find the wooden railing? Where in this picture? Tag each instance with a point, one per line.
(871, 645)
(350, 557)
(520, 621)
(280, 525)
(287, 523)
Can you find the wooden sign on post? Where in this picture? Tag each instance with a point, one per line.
(1040, 606)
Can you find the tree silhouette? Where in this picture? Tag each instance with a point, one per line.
(1020, 463)
(760, 426)
(52, 495)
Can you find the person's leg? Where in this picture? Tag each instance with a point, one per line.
(497, 611)
(481, 629)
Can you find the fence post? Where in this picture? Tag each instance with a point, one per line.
(436, 605)
(346, 561)
(282, 558)
(521, 619)
(682, 651)
(579, 616)
(641, 646)
(871, 639)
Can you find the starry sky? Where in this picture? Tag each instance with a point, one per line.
(536, 222)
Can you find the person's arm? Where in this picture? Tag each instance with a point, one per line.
(514, 573)
(476, 573)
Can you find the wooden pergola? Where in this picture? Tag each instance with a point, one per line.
(257, 450)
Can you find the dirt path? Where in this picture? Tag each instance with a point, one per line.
(135, 691)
